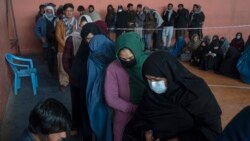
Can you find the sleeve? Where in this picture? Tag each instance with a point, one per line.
(112, 94)
(59, 33)
(67, 55)
(39, 28)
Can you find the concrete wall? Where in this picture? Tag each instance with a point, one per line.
(4, 71)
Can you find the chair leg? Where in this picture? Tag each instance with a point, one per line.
(15, 85)
(34, 84)
(18, 83)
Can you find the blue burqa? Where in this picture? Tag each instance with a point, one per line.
(102, 52)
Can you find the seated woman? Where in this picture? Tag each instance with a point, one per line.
(192, 45)
(238, 128)
(177, 105)
(199, 54)
(243, 66)
(48, 121)
(238, 42)
(231, 57)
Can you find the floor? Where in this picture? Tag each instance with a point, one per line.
(231, 94)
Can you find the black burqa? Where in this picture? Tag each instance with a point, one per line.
(79, 77)
(188, 110)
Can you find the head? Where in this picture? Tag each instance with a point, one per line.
(50, 120)
(238, 35)
(139, 8)
(89, 30)
(80, 9)
(203, 44)
(83, 20)
(215, 38)
(157, 84)
(130, 48)
(68, 10)
(110, 8)
(119, 8)
(180, 6)
(130, 7)
(195, 7)
(91, 8)
(41, 8)
(49, 11)
(170, 6)
(146, 9)
(195, 37)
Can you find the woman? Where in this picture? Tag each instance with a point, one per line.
(72, 45)
(110, 18)
(177, 105)
(130, 52)
(79, 78)
(238, 42)
(102, 52)
(231, 57)
(199, 54)
(48, 121)
(117, 95)
(191, 47)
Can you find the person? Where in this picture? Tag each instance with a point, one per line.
(168, 26)
(178, 46)
(131, 16)
(149, 24)
(110, 20)
(40, 12)
(198, 56)
(181, 21)
(102, 52)
(93, 14)
(238, 128)
(157, 35)
(117, 95)
(230, 59)
(196, 20)
(247, 42)
(78, 79)
(130, 52)
(177, 104)
(45, 31)
(139, 20)
(243, 66)
(64, 28)
(238, 42)
(49, 120)
(191, 46)
(121, 21)
(81, 10)
(71, 48)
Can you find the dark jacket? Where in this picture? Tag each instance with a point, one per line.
(149, 23)
(122, 20)
(182, 18)
(196, 19)
(171, 21)
(110, 19)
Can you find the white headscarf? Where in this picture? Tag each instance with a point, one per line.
(53, 12)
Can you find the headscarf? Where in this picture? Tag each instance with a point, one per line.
(102, 52)
(185, 91)
(79, 65)
(224, 44)
(133, 41)
(193, 45)
(53, 12)
(87, 17)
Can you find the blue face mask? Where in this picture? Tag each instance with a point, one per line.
(158, 87)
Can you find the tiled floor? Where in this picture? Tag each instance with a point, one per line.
(231, 94)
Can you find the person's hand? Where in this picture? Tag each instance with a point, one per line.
(43, 40)
(149, 136)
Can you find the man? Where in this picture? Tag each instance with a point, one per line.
(168, 25)
(181, 20)
(121, 21)
(131, 16)
(139, 19)
(196, 20)
(64, 28)
(45, 31)
(40, 12)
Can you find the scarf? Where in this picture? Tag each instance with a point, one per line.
(70, 25)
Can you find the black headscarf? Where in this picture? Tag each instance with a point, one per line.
(79, 66)
(188, 110)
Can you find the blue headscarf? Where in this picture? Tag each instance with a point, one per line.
(102, 52)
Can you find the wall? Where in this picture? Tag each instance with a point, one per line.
(4, 72)
(218, 13)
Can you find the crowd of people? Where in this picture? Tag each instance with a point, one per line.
(152, 96)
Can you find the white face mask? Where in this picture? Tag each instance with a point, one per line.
(158, 87)
(238, 36)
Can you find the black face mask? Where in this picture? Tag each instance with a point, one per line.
(128, 64)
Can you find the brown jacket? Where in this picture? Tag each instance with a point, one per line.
(60, 35)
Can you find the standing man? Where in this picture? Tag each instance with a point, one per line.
(196, 20)
(139, 20)
(64, 28)
(131, 16)
(168, 25)
(182, 18)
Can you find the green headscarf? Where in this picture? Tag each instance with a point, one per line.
(133, 41)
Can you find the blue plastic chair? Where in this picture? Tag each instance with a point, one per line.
(22, 67)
